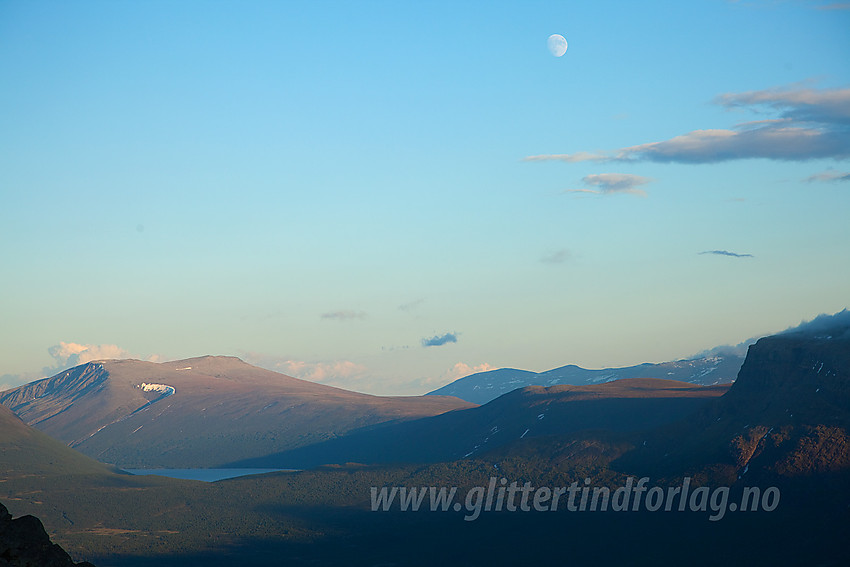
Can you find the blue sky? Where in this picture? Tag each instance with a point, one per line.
(385, 196)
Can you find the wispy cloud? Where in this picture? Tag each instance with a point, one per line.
(557, 257)
(612, 183)
(344, 374)
(344, 315)
(337, 372)
(812, 124)
(9, 381)
(797, 104)
(340, 373)
(739, 349)
(727, 253)
(439, 340)
(351, 375)
(569, 158)
(411, 305)
(835, 6)
(835, 325)
(425, 384)
(829, 176)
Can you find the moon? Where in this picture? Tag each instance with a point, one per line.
(557, 44)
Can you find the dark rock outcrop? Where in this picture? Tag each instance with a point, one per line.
(24, 543)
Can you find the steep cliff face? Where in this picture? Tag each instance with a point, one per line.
(24, 543)
(809, 376)
(799, 385)
(786, 416)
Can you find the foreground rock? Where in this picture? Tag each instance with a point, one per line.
(24, 543)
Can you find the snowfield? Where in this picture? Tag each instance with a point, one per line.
(161, 388)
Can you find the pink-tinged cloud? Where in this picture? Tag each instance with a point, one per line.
(461, 369)
(337, 373)
(824, 106)
(812, 124)
(340, 373)
(612, 183)
(72, 354)
(66, 355)
(829, 176)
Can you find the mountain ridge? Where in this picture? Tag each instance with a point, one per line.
(198, 412)
(782, 424)
(482, 387)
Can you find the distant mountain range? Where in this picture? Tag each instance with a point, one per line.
(788, 410)
(200, 412)
(783, 423)
(483, 387)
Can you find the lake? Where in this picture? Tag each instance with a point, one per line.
(206, 475)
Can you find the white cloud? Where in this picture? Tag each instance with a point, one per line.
(461, 369)
(72, 354)
(739, 349)
(67, 355)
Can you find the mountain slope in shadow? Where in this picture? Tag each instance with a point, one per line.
(624, 405)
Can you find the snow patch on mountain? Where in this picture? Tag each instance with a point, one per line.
(161, 388)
